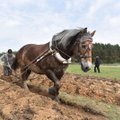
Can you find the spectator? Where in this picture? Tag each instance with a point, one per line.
(97, 64)
(7, 60)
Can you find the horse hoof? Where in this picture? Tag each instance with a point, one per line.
(52, 91)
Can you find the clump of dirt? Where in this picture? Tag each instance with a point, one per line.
(19, 104)
(102, 89)
(98, 88)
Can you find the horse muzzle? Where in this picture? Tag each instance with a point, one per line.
(86, 66)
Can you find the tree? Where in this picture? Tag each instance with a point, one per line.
(107, 52)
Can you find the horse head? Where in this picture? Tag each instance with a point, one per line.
(82, 49)
(75, 43)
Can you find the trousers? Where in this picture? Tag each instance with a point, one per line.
(7, 71)
(97, 68)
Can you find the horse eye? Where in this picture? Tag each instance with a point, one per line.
(83, 46)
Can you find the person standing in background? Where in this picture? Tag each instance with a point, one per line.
(97, 64)
(7, 60)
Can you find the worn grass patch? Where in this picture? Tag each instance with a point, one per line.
(111, 112)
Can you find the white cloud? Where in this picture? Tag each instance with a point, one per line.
(95, 8)
(29, 21)
(115, 21)
(73, 4)
(18, 2)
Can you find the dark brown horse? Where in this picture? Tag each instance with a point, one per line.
(53, 58)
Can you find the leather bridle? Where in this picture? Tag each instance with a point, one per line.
(86, 48)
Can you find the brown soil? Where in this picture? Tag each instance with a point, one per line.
(19, 104)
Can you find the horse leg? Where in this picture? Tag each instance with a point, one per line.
(24, 75)
(56, 80)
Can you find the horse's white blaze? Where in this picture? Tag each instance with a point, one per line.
(89, 64)
(86, 64)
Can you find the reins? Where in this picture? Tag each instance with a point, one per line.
(37, 59)
(49, 51)
(62, 52)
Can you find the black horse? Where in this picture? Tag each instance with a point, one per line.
(53, 58)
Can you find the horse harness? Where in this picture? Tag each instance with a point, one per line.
(54, 52)
(60, 58)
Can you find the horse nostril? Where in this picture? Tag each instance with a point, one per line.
(86, 69)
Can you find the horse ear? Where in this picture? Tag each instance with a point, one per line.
(92, 34)
(83, 31)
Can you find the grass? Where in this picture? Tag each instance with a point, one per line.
(107, 71)
(112, 112)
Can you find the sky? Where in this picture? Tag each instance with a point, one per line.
(36, 21)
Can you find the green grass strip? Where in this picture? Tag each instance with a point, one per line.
(107, 71)
(112, 112)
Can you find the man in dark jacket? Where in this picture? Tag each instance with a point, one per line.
(97, 64)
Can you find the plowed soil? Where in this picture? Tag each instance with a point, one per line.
(17, 103)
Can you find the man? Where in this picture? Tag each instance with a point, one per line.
(97, 64)
(7, 60)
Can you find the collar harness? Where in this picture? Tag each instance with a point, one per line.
(56, 54)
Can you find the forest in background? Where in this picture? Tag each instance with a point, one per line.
(108, 53)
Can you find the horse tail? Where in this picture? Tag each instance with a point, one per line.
(15, 64)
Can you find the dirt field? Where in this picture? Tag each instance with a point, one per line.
(19, 104)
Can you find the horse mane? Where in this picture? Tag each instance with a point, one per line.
(64, 38)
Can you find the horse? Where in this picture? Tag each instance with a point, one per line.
(53, 58)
